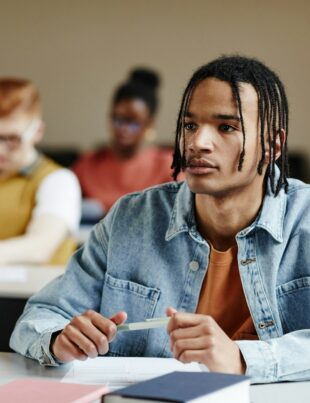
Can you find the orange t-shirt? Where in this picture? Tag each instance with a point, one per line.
(106, 177)
(222, 296)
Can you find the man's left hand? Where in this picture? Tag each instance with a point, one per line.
(195, 337)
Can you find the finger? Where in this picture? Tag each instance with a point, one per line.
(204, 328)
(199, 343)
(104, 325)
(87, 325)
(90, 330)
(119, 317)
(193, 356)
(83, 341)
(66, 351)
(185, 333)
(170, 311)
(184, 320)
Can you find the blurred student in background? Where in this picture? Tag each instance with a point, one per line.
(127, 165)
(39, 200)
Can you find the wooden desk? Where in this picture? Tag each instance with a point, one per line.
(17, 284)
(14, 366)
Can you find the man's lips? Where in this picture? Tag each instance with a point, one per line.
(200, 166)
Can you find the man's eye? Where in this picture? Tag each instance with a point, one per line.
(226, 128)
(190, 127)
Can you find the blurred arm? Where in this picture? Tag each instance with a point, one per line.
(44, 234)
(55, 216)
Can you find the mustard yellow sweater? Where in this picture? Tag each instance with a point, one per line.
(17, 201)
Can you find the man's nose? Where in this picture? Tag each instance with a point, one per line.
(202, 140)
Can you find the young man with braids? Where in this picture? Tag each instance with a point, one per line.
(223, 254)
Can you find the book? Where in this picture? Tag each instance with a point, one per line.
(181, 387)
(30, 390)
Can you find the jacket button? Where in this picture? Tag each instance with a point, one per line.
(263, 325)
(194, 265)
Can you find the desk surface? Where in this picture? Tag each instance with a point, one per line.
(23, 281)
(13, 366)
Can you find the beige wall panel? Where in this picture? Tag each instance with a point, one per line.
(77, 51)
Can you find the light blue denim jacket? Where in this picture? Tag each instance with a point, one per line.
(147, 254)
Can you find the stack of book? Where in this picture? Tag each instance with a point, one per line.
(179, 387)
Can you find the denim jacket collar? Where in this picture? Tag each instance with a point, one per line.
(272, 213)
(183, 213)
(270, 218)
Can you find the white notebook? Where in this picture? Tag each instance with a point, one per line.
(118, 372)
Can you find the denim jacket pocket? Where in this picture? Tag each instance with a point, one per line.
(139, 301)
(294, 304)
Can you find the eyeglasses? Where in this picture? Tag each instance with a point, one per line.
(14, 141)
(132, 125)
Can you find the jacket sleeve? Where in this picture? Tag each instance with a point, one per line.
(50, 310)
(286, 358)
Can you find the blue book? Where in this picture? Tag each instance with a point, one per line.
(185, 387)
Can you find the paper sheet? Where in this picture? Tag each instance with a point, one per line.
(13, 274)
(118, 372)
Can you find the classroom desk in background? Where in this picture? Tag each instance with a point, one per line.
(83, 233)
(17, 284)
(14, 366)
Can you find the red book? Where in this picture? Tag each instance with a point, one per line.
(29, 390)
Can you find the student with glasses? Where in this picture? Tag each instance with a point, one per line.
(39, 201)
(127, 165)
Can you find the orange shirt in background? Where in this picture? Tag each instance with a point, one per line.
(106, 177)
(222, 296)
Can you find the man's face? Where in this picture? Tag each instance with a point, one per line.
(14, 147)
(213, 139)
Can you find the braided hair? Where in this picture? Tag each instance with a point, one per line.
(142, 84)
(272, 109)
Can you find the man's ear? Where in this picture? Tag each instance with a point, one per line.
(280, 141)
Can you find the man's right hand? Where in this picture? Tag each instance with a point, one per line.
(87, 335)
